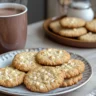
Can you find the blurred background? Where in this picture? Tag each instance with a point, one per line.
(42, 9)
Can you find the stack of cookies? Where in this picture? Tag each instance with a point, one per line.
(91, 35)
(42, 71)
(75, 28)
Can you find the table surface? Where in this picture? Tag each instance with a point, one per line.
(36, 38)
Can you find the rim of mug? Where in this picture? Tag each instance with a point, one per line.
(16, 4)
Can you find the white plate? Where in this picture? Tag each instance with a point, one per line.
(6, 59)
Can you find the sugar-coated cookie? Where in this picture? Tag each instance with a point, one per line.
(89, 37)
(52, 56)
(55, 26)
(43, 79)
(71, 81)
(10, 77)
(91, 25)
(25, 61)
(76, 32)
(72, 22)
(72, 68)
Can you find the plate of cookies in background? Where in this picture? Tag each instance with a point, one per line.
(40, 72)
(71, 31)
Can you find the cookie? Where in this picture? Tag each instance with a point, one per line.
(10, 77)
(89, 37)
(43, 79)
(72, 68)
(25, 61)
(55, 26)
(76, 32)
(91, 25)
(71, 81)
(52, 56)
(72, 22)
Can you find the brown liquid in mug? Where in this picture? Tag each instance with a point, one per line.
(9, 11)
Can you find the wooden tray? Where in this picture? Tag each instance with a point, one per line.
(65, 40)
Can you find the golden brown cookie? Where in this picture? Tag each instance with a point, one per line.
(25, 61)
(72, 22)
(55, 26)
(43, 79)
(71, 81)
(52, 56)
(89, 37)
(91, 25)
(10, 77)
(72, 68)
(76, 32)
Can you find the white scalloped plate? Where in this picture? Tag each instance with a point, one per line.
(6, 59)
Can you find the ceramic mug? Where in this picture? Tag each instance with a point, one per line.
(13, 26)
(81, 10)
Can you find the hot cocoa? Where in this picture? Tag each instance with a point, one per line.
(9, 11)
